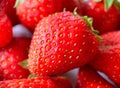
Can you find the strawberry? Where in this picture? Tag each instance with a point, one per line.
(89, 78)
(61, 42)
(104, 19)
(41, 82)
(6, 33)
(11, 56)
(31, 11)
(107, 59)
(8, 7)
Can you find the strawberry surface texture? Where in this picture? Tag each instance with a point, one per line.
(11, 56)
(108, 57)
(31, 11)
(61, 42)
(89, 78)
(41, 82)
(6, 33)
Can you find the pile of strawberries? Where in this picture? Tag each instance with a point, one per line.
(66, 34)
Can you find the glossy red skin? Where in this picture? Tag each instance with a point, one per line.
(11, 56)
(13, 17)
(42, 82)
(60, 43)
(107, 59)
(5, 30)
(103, 21)
(10, 10)
(89, 78)
(32, 11)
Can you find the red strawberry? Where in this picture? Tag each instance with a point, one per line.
(31, 11)
(43, 82)
(89, 78)
(107, 59)
(103, 20)
(61, 42)
(8, 7)
(11, 56)
(5, 30)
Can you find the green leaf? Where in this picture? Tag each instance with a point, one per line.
(108, 4)
(89, 23)
(24, 63)
(117, 4)
(32, 76)
(17, 3)
(97, 0)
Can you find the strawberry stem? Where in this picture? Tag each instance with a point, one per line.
(75, 12)
(64, 9)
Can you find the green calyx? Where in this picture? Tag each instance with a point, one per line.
(89, 22)
(109, 3)
(117, 4)
(17, 3)
(24, 63)
(32, 76)
(97, 0)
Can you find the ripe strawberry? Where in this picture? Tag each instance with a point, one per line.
(61, 42)
(31, 11)
(11, 56)
(42, 82)
(8, 7)
(107, 59)
(89, 78)
(5, 30)
(103, 20)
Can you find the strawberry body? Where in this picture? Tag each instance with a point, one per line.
(5, 30)
(43, 82)
(60, 43)
(104, 21)
(107, 59)
(89, 78)
(31, 11)
(11, 56)
(8, 7)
